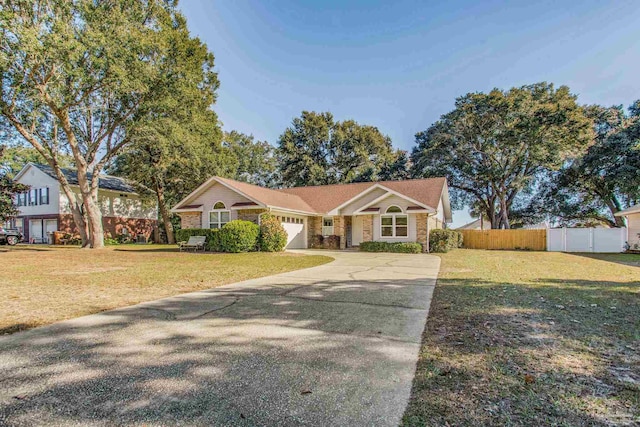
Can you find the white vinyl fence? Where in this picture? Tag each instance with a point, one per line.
(586, 239)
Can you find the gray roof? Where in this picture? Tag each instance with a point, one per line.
(107, 182)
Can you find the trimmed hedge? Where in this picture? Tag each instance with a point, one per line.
(273, 237)
(212, 235)
(397, 247)
(444, 240)
(239, 236)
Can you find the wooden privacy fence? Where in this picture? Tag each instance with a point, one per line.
(533, 240)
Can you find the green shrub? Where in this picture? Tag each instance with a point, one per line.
(109, 241)
(273, 237)
(212, 236)
(397, 247)
(444, 240)
(239, 236)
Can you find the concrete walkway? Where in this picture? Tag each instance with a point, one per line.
(331, 345)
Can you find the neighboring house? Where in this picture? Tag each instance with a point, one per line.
(45, 208)
(478, 224)
(392, 211)
(632, 216)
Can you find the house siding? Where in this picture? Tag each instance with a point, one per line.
(361, 201)
(633, 229)
(114, 204)
(215, 193)
(35, 178)
(119, 210)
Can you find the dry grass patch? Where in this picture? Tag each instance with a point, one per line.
(41, 285)
(531, 338)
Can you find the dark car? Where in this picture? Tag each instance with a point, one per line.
(9, 236)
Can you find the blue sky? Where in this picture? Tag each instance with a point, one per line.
(399, 65)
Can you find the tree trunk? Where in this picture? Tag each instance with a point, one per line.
(614, 206)
(94, 219)
(78, 216)
(164, 213)
(504, 215)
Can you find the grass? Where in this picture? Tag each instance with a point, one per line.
(531, 338)
(42, 285)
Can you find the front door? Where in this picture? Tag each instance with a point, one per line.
(356, 230)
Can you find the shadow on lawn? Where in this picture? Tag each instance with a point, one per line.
(27, 248)
(632, 260)
(529, 354)
(263, 355)
(146, 249)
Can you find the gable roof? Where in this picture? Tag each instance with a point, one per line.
(106, 182)
(323, 199)
(269, 197)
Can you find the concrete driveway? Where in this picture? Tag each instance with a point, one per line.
(331, 345)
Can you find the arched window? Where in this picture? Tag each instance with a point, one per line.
(219, 215)
(394, 223)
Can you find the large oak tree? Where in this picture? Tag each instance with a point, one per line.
(255, 160)
(176, 140)
(76, 76)
(592, 187)
(316, 150)
(492, 146)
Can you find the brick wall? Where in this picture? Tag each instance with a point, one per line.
(250, 214)
(314, 227)
(339, 230)
(114, 226)
(190, 220)
(421, 230)
(367, 228)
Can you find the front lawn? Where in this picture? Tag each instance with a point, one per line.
(531, 338)
(41, 284)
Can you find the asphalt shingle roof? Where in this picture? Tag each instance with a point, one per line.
(324, 198)
(107, 182)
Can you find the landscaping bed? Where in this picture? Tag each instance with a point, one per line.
(531, 338)
(42, 284)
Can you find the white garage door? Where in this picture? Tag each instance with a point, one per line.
(295, 229)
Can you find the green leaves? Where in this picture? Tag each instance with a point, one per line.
(492, 147)
(316, 150)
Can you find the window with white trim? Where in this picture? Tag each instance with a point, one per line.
(219, 215)
(394, 223)
(327, 226)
